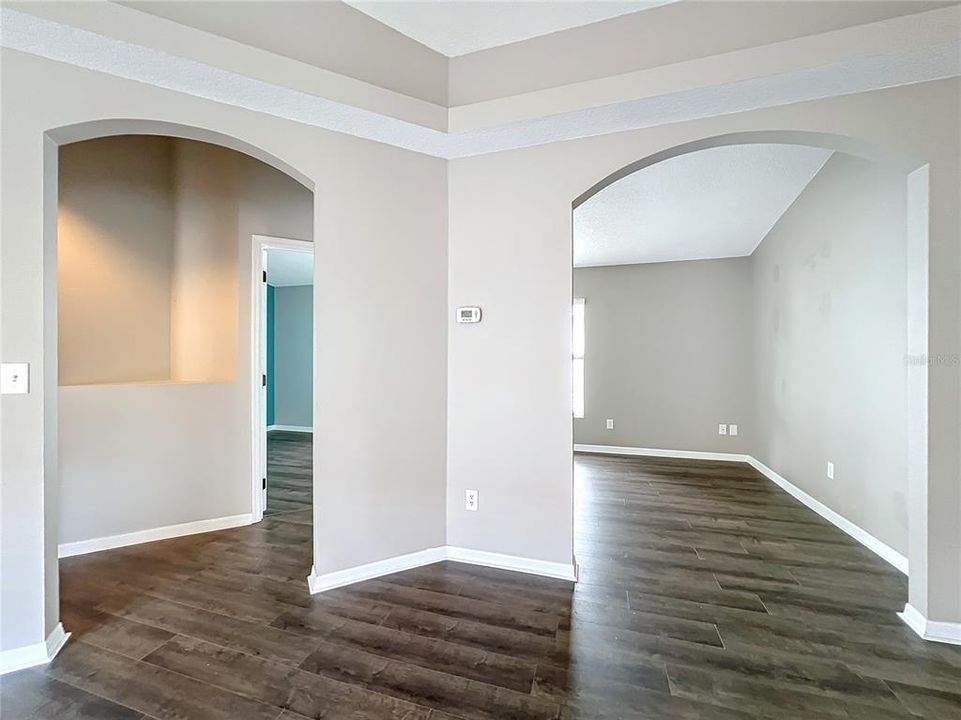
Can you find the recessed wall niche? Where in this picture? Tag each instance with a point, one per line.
(148, 258)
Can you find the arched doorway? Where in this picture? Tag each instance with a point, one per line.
(917, 242)
(243, 360)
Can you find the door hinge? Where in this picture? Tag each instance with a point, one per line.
(263, 381)
(265, 276)
(265, 484)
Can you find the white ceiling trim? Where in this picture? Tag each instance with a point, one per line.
(63, 43)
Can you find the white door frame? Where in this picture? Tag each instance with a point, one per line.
(258, 362)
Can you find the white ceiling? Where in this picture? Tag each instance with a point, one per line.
(713, 203)
(459, 27)
(290, 267)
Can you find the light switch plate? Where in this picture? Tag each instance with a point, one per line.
(732, 429)
(14, 378)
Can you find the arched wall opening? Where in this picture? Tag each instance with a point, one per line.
(222, 192)
(915, 175)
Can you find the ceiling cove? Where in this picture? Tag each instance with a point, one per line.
(85, 49)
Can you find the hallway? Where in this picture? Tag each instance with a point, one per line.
(706, 592)
(289, 476)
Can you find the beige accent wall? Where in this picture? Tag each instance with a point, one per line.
(669, 354)
(116, 256)
(205, 296)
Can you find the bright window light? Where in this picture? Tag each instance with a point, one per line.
(577, 359)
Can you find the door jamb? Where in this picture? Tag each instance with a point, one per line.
(258, 360)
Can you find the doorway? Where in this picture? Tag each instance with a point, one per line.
(283, 377)
(873, 209)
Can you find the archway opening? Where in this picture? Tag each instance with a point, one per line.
(811, 321)
(153, 370)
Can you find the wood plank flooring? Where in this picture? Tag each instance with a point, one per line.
(289, 476)
(707, 594)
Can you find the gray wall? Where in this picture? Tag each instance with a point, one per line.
(668, 354)
(830, 345)
(204, 329)
(293, 355)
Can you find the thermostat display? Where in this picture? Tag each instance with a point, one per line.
(468, 314)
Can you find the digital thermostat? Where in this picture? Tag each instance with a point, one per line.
(468, 314)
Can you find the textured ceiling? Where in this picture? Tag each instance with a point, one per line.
(714, 203)
(459, 28)
(290, 267)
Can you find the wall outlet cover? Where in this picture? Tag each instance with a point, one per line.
(470, 500)
(610, 423)
(722, 429)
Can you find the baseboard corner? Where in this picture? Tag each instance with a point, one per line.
(318, 583)
(933, 630)
(368, 571)
(32, 655)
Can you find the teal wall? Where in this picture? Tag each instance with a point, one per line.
(293, 355)
(271, 387)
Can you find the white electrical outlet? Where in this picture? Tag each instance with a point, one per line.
(610, 423)
(722, 429)
(830, 470)
(470, 500)
(732, 429)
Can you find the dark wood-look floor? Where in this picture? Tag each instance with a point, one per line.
(289, 476)
(706, 593)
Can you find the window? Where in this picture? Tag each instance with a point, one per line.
(577, 358)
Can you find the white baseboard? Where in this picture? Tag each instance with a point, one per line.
(883, 550)
(291, 428)
(560, 571)
(82, 547)
(946, 632)
(369, 571)
(32, 655)
(656, 452)
(886, 552)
